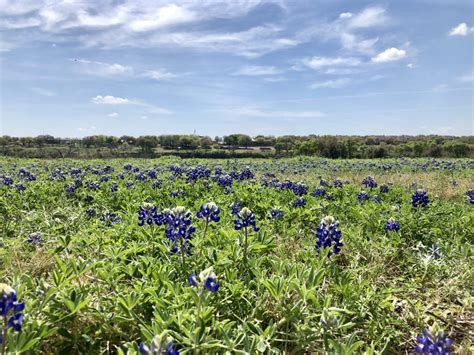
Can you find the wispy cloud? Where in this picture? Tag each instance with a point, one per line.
(256, 112)
(101, 68)
(110, 100)
(87, 129)
(371, 16)
(332, 84)
(159, 75)
(255, 70)
(317, 63)
(113, 114)
(390, 55)
(461, 30)
(467, 77)
(43, 91)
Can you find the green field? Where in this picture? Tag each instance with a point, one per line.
(93, 280)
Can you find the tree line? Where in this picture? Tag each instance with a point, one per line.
(238, 145)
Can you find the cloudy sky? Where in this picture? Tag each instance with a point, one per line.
(77, 67)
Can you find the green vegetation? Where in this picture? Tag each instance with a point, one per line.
(238, 146)
(96, 281)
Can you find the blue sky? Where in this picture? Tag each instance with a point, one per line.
(76, 68)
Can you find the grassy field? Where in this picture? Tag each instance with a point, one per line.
(247, 256)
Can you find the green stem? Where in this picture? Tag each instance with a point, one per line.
(245, 244)
(205, 228)
(4, 334)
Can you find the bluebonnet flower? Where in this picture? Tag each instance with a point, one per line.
(369, 182)
(419, 198)
(338, 183)
(392, 225)
(78, 182)
(235, 208)
(206, 279)
(470, 196)
(127, 167)
(329, 236)
(323, 182)
(159, 346)
(319, 192)
(6, 180)
(34, 239)
(179, 229)
(157, 184)
(10, 311)
(430, 343)
(299, 202)
(376, 199)
(209, 212)
(435, 252)
(129, 184)
(363, 196)
(113, 187)
(384, 189)
(109, 218)
(90, 212)
(149, 214)
(276, 213)
(70, 188)
(224, 180)
(299, 189)
(245, 218)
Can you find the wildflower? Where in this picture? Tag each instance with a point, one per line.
(109, 218)
(235, 208)
(159, 346)
(148, 214)
(384, 189)
(299, 202)
(376, 199)
(20, 187)
(329, 235)
(244, 219)
(338, 183)
(206, 279)
(392, 225)
(225, 180)
(90, 212)
(209, 212)
(113, 187)
(319, 192)
(369, 182)
(470, 196)
(430, 343)
(435, 252)
(34, 239)
(10, 311)
(419, 198)
(179, 230)
(363, 196)
(276, 213)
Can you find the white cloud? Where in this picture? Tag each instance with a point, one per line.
(390, 55)
(331, 84)
(461, 30)
(159, 75)
(255, 112)
(43, 91)
(411, 65)
(100, 68)
(87, 129)
(467, 78)
(354, 43)
(165, 16)
(371, 16)
(317, 63)
(113, 114)
(345, 15)
(255, 70)
(110, 100)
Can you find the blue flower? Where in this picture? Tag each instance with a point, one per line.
(159, 346)
(419, 198)
(376, 199)
(470, 196)
(209, 212)
(90, 212)
(437, 343)
(34, 239)
(329, 236)
(245, 218)
(10, 310)
(363, 196)
(338, 183)
(299, 202)
(235, 208)
(319, 192)
(392, 225)
(435, 252)
(384, 189)
(206, 279)
(179, 229)
(276, 213)
(148, 214)
(113, 187)
(369, 182)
